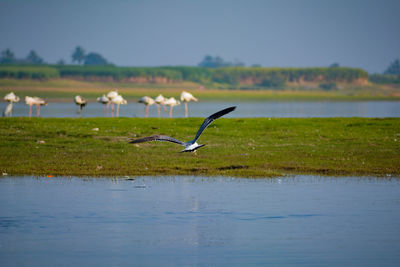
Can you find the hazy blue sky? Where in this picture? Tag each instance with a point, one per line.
(280, 33)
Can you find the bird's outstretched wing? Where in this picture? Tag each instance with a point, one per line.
(210, 119)
(158, 138)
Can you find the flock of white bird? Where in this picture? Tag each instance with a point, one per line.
(160, 100)
(111, 99)
(11, 98)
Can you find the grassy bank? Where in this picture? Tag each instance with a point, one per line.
(239, 147)
(65, 90)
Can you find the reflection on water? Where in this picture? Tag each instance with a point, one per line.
(245, 109)
(199, 221)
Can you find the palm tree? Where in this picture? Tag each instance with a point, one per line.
(7, 56)
(78, 55)
(33, 58)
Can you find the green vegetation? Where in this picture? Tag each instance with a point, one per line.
(8, 57)
(259, 147)
(119, 73)
(385, 78)
(228, 77)
(28, 72)
(65, 89)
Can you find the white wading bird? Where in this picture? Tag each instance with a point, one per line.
(118, 100)
(171, 102)
(8, 111)
(34, 101)
(147, 101)
(187, 97)
(81, 102)
(11, 98)
(110, 96)
(191, 145)
(160, 100)
(104, 101)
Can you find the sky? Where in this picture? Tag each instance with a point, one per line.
(271, 33)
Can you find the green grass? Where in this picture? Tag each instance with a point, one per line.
(258, 147)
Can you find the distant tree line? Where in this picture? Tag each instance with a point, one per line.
(218, 62)
(228, 77)
(8, 57)
(78, 56)
(390, 75)
(211, 70)
(91, 59)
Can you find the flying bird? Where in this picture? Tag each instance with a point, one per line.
(187, 97)
(190, 146)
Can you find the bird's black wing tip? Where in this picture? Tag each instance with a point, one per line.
(227, 110)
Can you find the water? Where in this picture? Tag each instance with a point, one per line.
(195, 221)
(245, 109)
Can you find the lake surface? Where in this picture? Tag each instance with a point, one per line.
(199, 221)
(305, 109)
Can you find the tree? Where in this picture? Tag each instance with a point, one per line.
(214, 62)
(33, 58)
(334, 65)
(7, 56)
(274, 80)
(238, 63)
(61, 62)
(78, 55)
(95, 59)
(394, 68)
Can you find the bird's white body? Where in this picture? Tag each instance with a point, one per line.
(192, 147)
(30, 101)
(79, 100)
(103, 100)
(34, 101)
(160, 100)
(147, 101)
(8, 111)
(171, 102)
(118, 100)
(112, 94)
(11, 97)
(186, 98)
